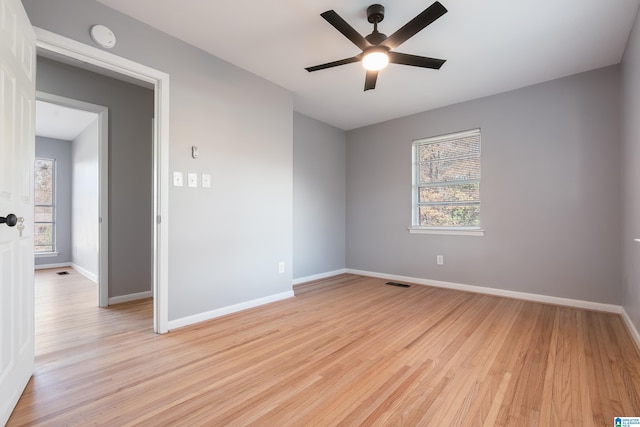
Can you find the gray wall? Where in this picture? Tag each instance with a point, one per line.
(130, 166)
(61, 151)
(550, 192)
(318, 197)
(631, 175)
(225, 243)
(85, 226)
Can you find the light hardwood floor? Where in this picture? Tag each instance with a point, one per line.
(354, 352)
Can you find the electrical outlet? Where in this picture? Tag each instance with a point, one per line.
(281, 267)
(439, 260)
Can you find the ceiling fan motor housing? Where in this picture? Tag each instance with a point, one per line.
(376, 38)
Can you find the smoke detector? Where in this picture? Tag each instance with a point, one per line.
(103, 36)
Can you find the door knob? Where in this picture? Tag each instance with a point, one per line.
(10, 220)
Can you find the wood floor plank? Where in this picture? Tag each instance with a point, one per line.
(347, 350)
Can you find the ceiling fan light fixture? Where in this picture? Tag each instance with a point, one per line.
(375, 60)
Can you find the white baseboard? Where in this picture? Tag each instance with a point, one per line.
(86, 273)
(589, 305)
(58, 265)
(319, 276)
(189, 320)
(130, 297)
(631, 327)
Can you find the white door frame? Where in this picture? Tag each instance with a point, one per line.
(58, 44)
(103, 184)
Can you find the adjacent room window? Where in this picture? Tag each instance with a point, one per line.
(45, 213)
(446, 183)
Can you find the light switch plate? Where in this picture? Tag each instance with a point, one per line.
(193, 179)
(177, 179)
(206, 180)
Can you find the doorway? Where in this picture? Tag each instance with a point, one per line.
(80, 213)
(105, 63)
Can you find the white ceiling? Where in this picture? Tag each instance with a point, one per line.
(491, 46)
(58, 122)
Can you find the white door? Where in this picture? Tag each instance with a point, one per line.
(17, 101)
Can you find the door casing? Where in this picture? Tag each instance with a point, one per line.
(112, 64)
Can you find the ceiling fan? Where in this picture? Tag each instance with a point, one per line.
(377, 48)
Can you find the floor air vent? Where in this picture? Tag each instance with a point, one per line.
(400, 285)
(62, 273)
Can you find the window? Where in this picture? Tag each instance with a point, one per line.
(446, 183)
(44, 235)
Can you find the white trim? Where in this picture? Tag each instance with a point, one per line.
(161, 210)
(449, 231)
(568, 302)
(46, 254)
(103, 208)
(47, 266)
(73, 49)
(201, 317)
(318, 276)
(70, 48)
(448, 136)
(70, 102)
(86, 273)
(102, 278)
(631, 327)
(131, 297)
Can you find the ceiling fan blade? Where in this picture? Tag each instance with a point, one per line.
(430, 14)
(347, 30)
(416, 61)
(370, 80)
(335, 63)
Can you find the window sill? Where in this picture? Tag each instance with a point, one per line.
(46, 254)
(462, 231)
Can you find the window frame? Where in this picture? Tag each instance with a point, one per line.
(54, 249)
(416, 228)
